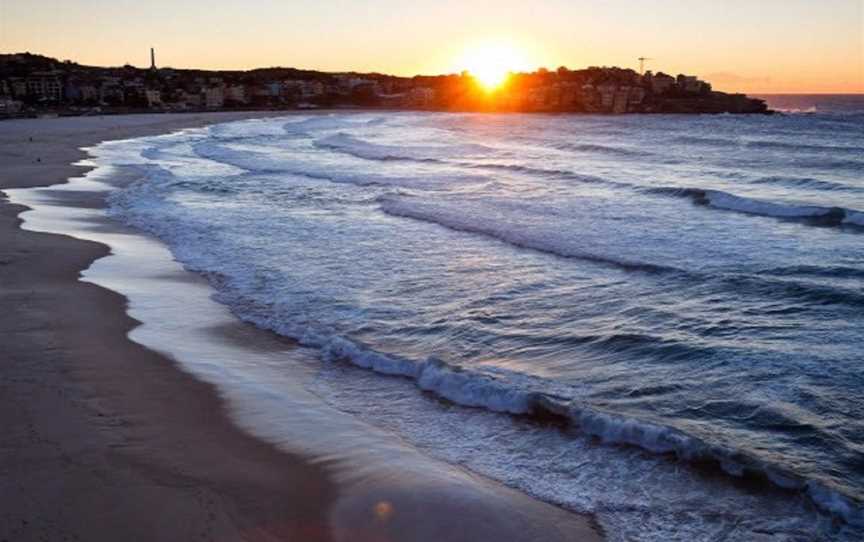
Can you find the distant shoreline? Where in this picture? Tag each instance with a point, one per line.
(48, 114)
(35, 83)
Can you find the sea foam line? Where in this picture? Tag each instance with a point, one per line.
(497, 393)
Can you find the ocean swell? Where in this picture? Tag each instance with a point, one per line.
(762, 305)
(501, 392)
(348, 144)
(804, 182)
(811, 214)
(522, 235)
(260, 162)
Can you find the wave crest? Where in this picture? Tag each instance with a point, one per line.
(813, 214)
(348, 144)
(500, 394)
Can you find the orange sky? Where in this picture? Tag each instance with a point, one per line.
(765, 46)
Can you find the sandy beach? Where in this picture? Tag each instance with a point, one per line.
(108, 440)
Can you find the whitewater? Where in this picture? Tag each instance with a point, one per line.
(654, 319)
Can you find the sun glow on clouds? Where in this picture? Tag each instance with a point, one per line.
(492, 61)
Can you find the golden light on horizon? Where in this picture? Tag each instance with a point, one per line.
(491, 62)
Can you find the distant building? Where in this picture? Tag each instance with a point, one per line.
(18, 87)
(637, 96)
(214, 97)
(88, 93)
(81, 90)
(111, 90)
(311, 89)
(347, 83)
(690, 84)
(236, 94)
(153, 96)
(607, 95)
(273, 89)
(45, 86)
(620, 100)
(569, 94)
(8, 106)
(191, 99)
(536, 98)
(421, 96)
(662, 83)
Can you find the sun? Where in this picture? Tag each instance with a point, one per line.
(491, 62)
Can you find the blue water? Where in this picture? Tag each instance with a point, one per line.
(688, 285)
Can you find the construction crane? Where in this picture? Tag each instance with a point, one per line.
(642, 60)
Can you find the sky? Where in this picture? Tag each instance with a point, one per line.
(784, 46)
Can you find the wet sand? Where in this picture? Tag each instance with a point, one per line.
(107, 440)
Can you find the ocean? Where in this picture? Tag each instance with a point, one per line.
(654, 319)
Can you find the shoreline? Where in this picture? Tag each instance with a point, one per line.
(141, 419)
(98, 450)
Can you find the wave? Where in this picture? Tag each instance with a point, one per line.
(706, 141)
(811, 214)
(528, 236)
(797, 110)
(252, 128)
(520, 235)
(797, 147)
(512, 393)
(786, 146)
(834, 271)
(259, 162)
(538, 238)
(354, 146)
(828, 163)
(318, 123)
(504, 391)
(601, 149)
(562, 174)
(500, 390)
(804, 182)
(764, 285)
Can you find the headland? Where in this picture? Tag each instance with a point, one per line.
(33, 85)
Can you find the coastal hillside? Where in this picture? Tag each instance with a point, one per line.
(33, 84)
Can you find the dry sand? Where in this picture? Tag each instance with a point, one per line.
(107, 440)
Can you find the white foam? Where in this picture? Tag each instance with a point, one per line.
(731, 202)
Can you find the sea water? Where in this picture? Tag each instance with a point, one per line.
(655, 319)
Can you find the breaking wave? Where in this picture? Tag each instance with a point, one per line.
(520, 235)
(601, 149)
(359, 148)
(503, 391)
(260, 162)
(811, 214)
